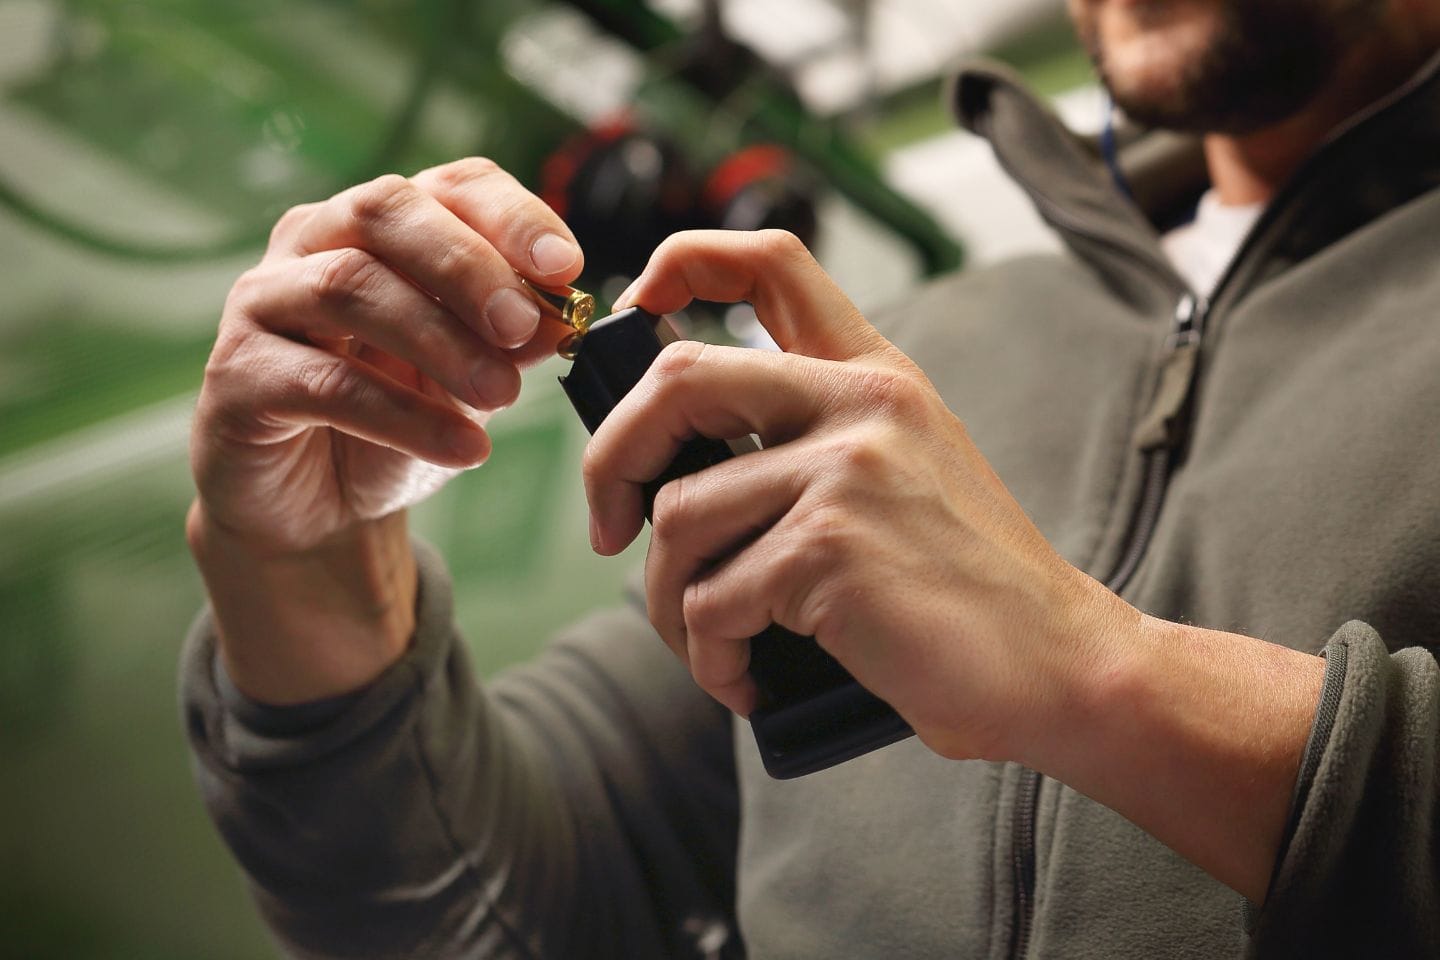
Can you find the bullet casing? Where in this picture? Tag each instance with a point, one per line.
(572, 307)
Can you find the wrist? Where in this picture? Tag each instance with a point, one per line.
(1104, 643)
(295, 626)
(1195, 736)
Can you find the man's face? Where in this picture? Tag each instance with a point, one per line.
(1218, 66)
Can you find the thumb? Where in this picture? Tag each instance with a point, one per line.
(794, 298)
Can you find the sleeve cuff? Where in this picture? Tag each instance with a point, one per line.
(1356, 871)
(290, 720)
(1337, 661)
(245, 734)
(1337, 656)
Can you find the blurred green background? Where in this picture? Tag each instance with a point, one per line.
(145, 148)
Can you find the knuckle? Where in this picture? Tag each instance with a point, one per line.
(829, 523)
(820, 610)
(463, 174)
(223, 383)
(434, 345)
(227, 354)
(820, 546)
(904, 366)
(343, 277)
(674, 248)
(245, 292)
(234, 384)
(782, 244)
(795, 580)
(676, 358)
(701, 605)
(877, 386)
(379, 201)
(669, 512)
(289, 223)
(594, 463)
(853, 455)
(821, 535)
(514, 216)
(889, 391)
(327, 383)
(462, 256)
(219, 415)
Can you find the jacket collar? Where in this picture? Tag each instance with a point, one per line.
(1378, 160)
(1070, 187)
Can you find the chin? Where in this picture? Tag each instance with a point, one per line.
(1220, 66)
(1146, 49)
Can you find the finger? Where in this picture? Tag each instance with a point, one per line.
(794, 298)
(540, 347)
(287, 229)
(701, 518)
(772, 580)
(267, 389)
(522, 227)
(766, 582)
(694, 388)
(721, 668)
(348, 293)
(407, 228)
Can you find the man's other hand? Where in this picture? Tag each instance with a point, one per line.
(352, 373)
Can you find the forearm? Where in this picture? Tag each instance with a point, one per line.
(1196, 736)
(433, 817)
(300, 626)
(353, 832)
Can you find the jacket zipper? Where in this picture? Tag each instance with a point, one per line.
(1159, 435)
(1160, 432)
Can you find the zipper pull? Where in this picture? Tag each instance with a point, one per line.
(1162, 424)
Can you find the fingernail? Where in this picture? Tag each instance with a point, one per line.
(512, 316)
(469, 443)
(553, 253)
(495, 382)
(623, 301)
(594, 534)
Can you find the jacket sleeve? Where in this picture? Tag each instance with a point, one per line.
(1360, 873)
(583, 805)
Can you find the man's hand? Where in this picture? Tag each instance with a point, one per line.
(872, 522)
(869, 520)
(352, 373)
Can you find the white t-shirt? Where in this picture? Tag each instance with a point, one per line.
(1204, 247)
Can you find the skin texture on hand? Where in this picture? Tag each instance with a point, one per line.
(351, 376)
(871, 521)
(866, 515)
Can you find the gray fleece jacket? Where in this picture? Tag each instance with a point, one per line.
(1282, 480)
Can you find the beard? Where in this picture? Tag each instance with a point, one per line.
(1256, 63)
